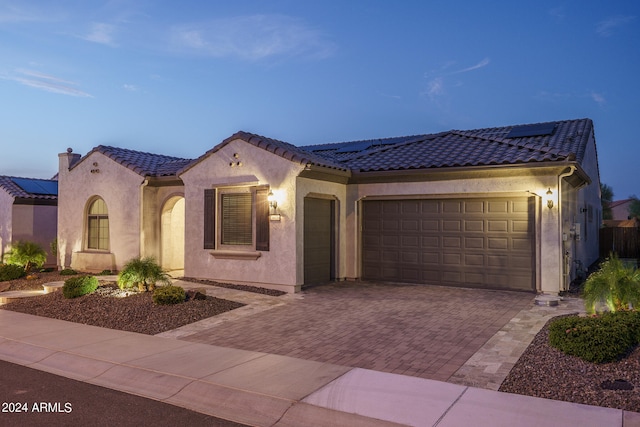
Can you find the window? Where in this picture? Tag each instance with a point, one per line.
(98, 226)
(236, 219)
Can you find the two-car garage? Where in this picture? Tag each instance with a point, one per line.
(470, 242)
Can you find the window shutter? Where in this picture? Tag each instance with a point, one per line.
(262, 220)
(209, 225)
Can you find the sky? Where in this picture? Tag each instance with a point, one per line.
(178, 77)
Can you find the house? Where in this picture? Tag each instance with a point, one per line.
(620, 209)
(28, 212)
(514, 207)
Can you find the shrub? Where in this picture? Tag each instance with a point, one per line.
(26, 254)
(78, 286)
(143, 273)
(598, 339)
(68, 272)
(11, 272)
(169, 295)
(615, 285)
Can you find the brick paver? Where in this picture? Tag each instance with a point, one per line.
(422, 331)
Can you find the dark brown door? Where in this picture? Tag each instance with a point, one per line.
(486, 243)
(318, 240)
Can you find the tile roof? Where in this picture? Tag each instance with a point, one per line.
(144, 164)
(283, 149)
(479, 147)
(8, 184)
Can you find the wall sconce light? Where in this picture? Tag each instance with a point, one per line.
(549, 198)
(273, 207)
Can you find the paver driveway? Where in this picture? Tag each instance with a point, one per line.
(422, 331)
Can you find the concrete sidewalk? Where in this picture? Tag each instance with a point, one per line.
(263, 389)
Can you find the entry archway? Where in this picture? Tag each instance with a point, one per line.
(172, 232)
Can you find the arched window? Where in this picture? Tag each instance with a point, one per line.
(98, 226)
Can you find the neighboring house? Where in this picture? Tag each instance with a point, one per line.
(620, 209)
(515, 207)
(28, 212)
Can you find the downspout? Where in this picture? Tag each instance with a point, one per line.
(563, 275)
(144, 184)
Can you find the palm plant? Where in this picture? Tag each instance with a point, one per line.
(26, 254)
(615, 285)
(142, 273)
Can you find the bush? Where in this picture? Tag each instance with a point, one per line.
(169, 295)
(11, 272)
(615, 286)
(142, 273)
(78, 286)
(597, 339)
(26, 255)
(68, 272)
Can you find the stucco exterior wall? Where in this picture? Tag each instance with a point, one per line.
(120, 188)
(533, 182)
(36, 224)
(588, 214)
(252, 166)
(6, 221)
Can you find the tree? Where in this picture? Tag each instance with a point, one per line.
(606, 197)
(634, 207)
(26, 254)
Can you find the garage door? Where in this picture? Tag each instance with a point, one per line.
(486, 243)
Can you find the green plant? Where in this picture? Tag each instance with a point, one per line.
(26, 254)
(11, 272)
(106, 273)
(143, 273)
(615, 285)
(78, 286)
(169, 295)
(598, 339)
(68, 272)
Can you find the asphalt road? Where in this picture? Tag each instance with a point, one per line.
(34, 398)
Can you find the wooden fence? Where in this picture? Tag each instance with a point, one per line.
(624, 241)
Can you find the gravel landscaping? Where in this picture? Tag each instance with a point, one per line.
(544, 371)
(541, 371)
(109, 308)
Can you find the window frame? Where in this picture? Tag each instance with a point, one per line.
(89, 230)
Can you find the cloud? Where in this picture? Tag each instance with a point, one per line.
(10, 13)
(479, 65)
(439, 80)
(606, 28)
(47, 83)
(598, 98)
(253, 37)
(101, 33)
(131, 88)
(435, 87)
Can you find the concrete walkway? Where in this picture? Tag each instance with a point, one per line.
(270, 390)
(262, 389)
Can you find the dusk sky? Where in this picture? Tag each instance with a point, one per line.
(178, 77)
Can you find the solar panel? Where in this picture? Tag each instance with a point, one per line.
(37, 186)
(354, 147)
(538, 129)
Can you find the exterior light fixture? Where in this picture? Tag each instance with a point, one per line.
(273, 203)
(273, 207)
(549, 198)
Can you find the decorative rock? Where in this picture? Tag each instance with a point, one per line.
(197, 294)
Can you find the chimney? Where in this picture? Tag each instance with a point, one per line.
(67, 160)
